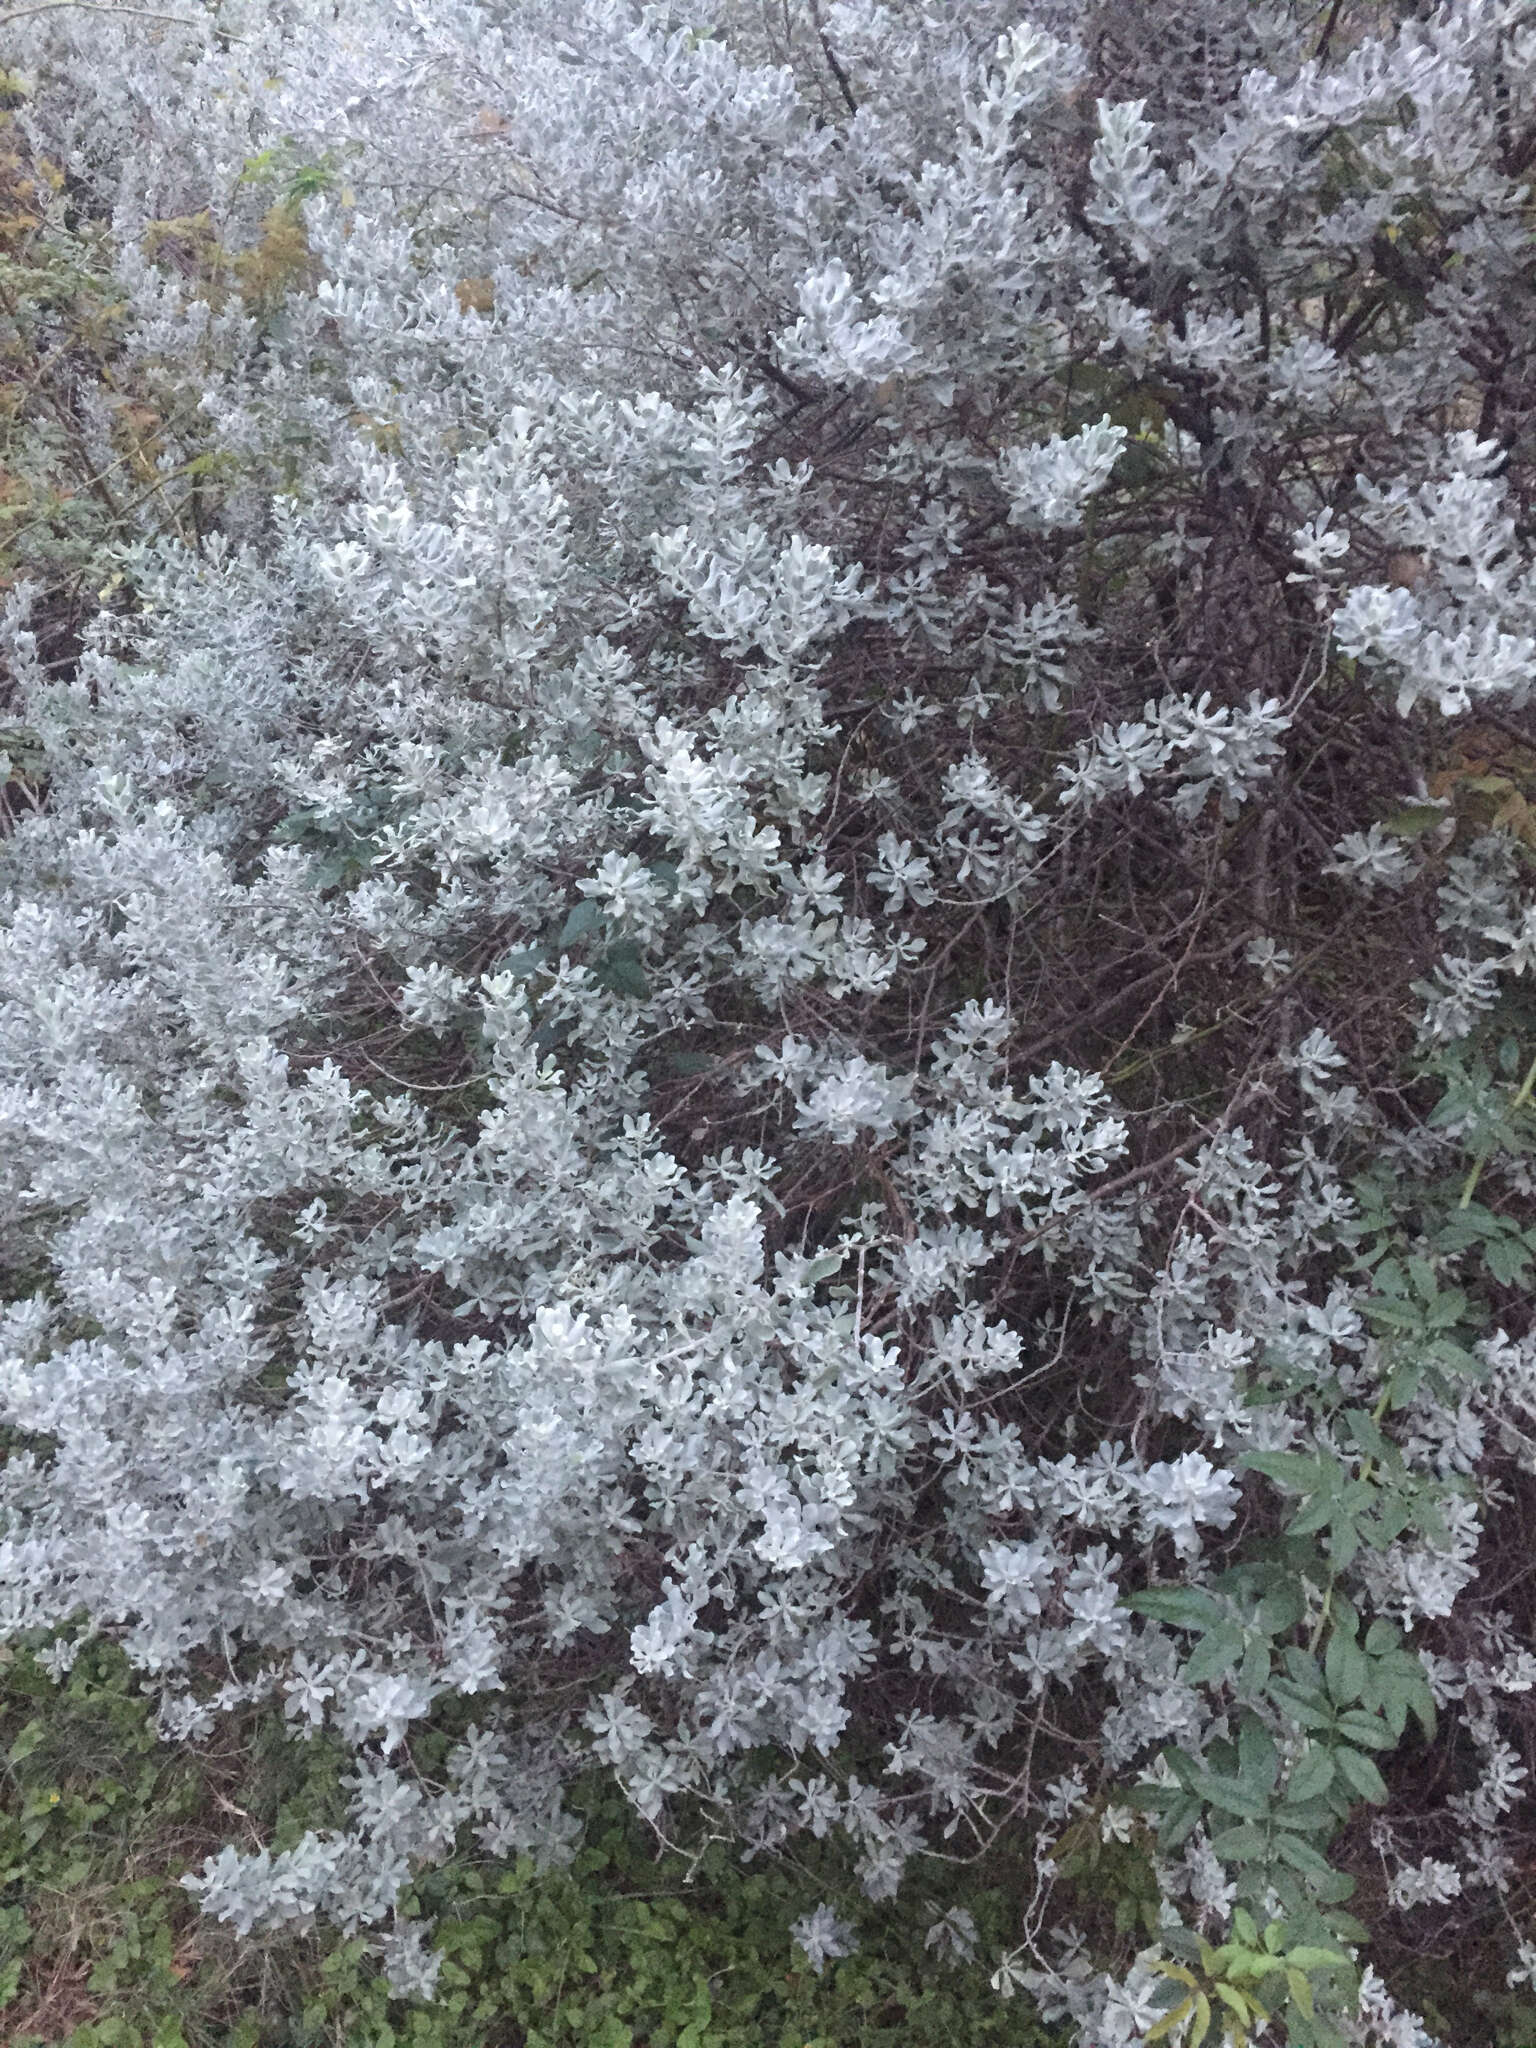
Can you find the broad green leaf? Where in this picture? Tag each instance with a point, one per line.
(1281, 1609)
(1300, 1855)
(1365, 1728)
(620, 970)
(1423, 1277)
(1169, 2021)
(1389, 1521)
(1361, 1773)
(1309, 1708)
(1311, 1775)
(583, 921)
(1344, 1544)
(1319, 1513)
(1180, 1821)
(1184, 1606)
(1314, 1958)
(1507, 1263)
(1258, 1759)
(1243, 1844)
(1253, 1675)
(1305, 1816)
(28, 1740)
(1231, 1797)
(1446, 1310)
(1288, 1468)
(1345, 1668)
(1244, 2010)
(1213, 1655)
(1414, 820)
(690, 1063)
(1366, 1432)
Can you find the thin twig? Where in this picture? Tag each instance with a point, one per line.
(1320, 54)
(833, 65)
(1120, 1182)
(106, 7)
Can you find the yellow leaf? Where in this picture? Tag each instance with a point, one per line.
(1244, 2008)
(1176, 1971)
(1301, 1990)
(1170, 2020)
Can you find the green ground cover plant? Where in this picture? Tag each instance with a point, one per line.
(630, 1947)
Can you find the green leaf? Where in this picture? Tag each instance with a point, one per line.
(1289, 1468)
(1254, 1673)
(1426, 1516)
(1366, 1433)
(1389, 1315)
(1281, 1609)
(1258, 1759)
(690, 1063)
(1214, 1654)
(1447, 1310)
(1389, 1521)
(1242, 2009)
(1301, 1856)
(1243, 1844)
(28, 1740)
(1304, 1705)
(1314, 1958)
(1413, 820)
(1184, 1606)
(1423, 1278)
(1394, 1712)
(1320, 1511)
(1507, 1263)
(1183, 1767)
(1365, 1728)
(1361, 1773)
(1344, 1544)
(1311, 1775)
(585, 919)
(1345, 1668)
(620, 970)
(1421, 1704)
(1231, 1797)
(1306, 1817)
(1180, 1821)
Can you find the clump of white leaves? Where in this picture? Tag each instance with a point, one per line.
(535, 1123)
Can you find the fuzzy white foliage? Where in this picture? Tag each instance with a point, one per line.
(371, 1389)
